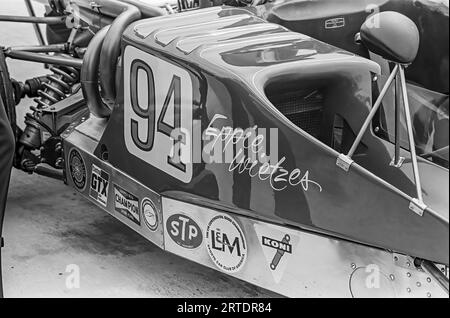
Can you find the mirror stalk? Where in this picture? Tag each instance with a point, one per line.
(397, 161)
(345, 161)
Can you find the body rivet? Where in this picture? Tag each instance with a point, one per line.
(418, 284)
(392, 277)
(429, 279)
(428, 295)
(408, 290)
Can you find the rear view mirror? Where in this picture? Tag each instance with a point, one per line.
(396, 38)
(392, 35)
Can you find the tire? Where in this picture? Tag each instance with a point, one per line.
(6, 92)
(7, 140)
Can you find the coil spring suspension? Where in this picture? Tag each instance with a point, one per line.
(59, 85)
(57, 88)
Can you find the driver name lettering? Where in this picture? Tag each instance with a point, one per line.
(250, 156)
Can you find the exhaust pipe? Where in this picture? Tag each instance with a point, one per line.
(104, 50)
(89, 75)
(101, 58)
(111, 49)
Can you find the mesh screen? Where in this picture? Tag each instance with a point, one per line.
(303, 108)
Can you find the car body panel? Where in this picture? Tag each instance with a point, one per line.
(228, 78)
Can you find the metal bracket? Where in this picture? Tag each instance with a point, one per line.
(344, 162)
(95, 5)
(404, 261)
(444, 270)
(397, 164)
(417, 206)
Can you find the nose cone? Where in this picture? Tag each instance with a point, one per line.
(392, 35)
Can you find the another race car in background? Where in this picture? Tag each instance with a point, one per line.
(338, 23)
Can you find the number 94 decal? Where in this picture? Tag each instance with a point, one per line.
(158, 113)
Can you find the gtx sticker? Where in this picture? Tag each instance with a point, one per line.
(226, 243)
(158, 113)
(184, 231)
(126, 204)
(77, 169)
(278, 245)
(334, 23)
(150, 214)
(99, 185)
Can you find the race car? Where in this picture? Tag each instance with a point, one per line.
(247, 147)
(338, 23)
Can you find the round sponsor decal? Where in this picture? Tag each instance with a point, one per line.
(184, 231)
(150, 214)
(226, 243)
(77, 169)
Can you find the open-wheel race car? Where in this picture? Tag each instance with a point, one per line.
(295, 145)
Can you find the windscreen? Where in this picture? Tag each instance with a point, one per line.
(430, 120)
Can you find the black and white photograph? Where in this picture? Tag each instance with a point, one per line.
(224, 155)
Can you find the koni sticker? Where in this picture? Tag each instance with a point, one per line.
(99, 185)
(184, 231)
(278, 247)
(127, 204)
(281, 248)
(226, 243)
(77, 169)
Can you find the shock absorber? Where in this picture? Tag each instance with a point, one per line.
(60, 84)
(57, 88)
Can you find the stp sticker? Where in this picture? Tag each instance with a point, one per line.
(278, 245)
(77, 169)
(150, 214)
(126, 204)
(226, 243)
(99, 185)
(184, 231)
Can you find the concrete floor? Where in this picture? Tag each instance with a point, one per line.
(49, 227)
